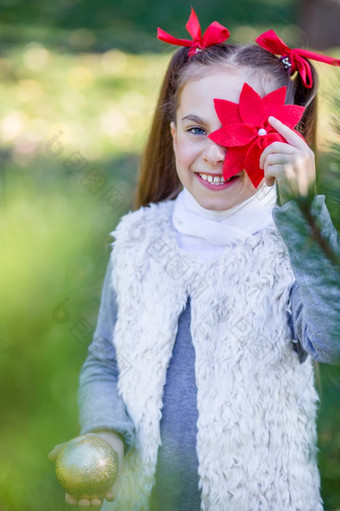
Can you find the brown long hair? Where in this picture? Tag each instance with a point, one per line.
(158, 178)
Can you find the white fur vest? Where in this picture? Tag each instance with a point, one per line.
(257, 404)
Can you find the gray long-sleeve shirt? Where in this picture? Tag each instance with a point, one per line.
(315, 326)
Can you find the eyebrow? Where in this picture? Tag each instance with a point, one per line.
(194, 118)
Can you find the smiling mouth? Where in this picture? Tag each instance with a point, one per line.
(216, 180)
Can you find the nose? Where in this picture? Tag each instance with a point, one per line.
(214, 153)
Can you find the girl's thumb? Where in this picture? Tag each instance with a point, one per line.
(52, 455)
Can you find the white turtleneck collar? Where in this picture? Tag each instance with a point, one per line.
(206, 233)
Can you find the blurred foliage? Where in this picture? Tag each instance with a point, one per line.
(128, 24)
(74, 115)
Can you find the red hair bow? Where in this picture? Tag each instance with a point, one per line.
(215, 34)
(296, 56)
(246, 131)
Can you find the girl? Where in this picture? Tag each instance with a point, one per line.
(215, 302)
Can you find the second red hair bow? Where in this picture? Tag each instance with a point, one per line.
(296, 56)
(215, 34)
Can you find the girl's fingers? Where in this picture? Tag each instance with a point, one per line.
(269, 180)
(275, 159)
(291, 136)
(52, 455)
(280, 172)
(84, 503)
(110, 496)
(96, 503)
(291, 164)
(70, 500)
(285, 178)
(281, 148)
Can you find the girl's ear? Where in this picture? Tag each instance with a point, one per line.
(173, 134)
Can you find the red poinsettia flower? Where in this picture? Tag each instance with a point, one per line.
(246, 131)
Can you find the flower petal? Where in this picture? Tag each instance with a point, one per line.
(227, 111)
(251, 107)
(275, 98)
(288, 114)
(234, 161)
(233, 135)
(252, 164)
(254, 152)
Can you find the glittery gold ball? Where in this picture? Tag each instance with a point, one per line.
(87, 466)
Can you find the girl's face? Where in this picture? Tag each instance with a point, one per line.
(199, 161)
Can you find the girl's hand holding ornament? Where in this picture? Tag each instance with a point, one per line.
(88, 467)
(291, 165)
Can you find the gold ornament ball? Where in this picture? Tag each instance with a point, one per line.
(87, 466)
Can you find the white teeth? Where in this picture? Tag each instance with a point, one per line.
(218, 180)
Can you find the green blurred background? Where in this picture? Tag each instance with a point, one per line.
(79, 81)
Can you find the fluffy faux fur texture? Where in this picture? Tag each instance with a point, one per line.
(257, 404)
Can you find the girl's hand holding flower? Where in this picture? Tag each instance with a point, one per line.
(291, 165)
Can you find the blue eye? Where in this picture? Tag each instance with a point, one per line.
(196, 131)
